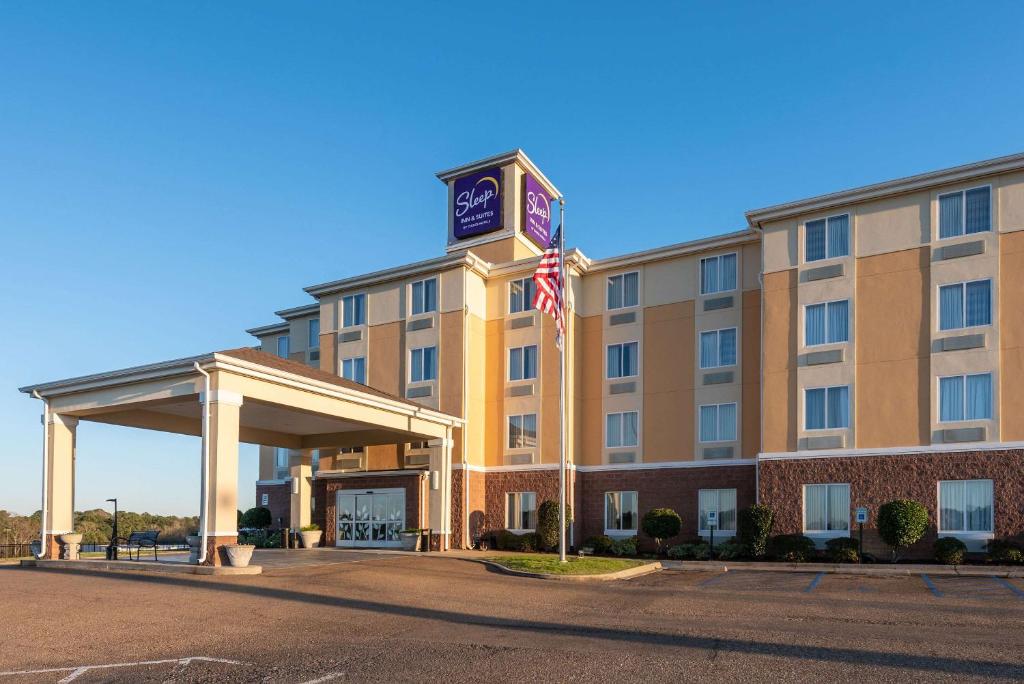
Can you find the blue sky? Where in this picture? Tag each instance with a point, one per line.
(172, 173)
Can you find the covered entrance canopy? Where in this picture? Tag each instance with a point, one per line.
(238, 395)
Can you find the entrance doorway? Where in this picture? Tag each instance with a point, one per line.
(370, 517)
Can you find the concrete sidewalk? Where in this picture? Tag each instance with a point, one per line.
(875, 569)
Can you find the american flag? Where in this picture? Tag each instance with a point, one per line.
(548, 279)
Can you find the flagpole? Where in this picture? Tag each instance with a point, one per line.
(561, 382)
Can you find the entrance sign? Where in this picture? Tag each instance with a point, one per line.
(477, 203)
(536, 212)
(862, 515)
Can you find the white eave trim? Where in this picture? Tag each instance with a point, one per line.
(516, 155)
(270, 329)
(299, 311)
(428, 267)
(152, 371)
(607, 467)
(341, 474)
(957, 448)
(733, 239)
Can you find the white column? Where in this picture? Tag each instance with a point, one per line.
(441, 494)
(60, 485)
(300, 467)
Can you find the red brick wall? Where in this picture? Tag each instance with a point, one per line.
(325, 493)
(499, 484)
(279, 502)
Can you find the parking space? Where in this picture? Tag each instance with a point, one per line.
(757, 581)
(973, 588)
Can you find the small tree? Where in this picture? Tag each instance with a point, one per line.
(901, 523)
(661, 524)
(754, 529)
(547, 524)
(259, 518)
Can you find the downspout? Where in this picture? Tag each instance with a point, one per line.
(203, 493)
(46, 470)
(760, 351)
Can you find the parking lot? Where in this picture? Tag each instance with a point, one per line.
(404, 618)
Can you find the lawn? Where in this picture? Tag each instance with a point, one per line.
(548, 564)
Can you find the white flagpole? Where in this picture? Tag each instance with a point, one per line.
(561, 382)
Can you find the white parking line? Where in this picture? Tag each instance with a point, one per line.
(325, 678)
(76, 671)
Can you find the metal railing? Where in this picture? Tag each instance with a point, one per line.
(16, 550)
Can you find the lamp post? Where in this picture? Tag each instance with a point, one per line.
(112, 548)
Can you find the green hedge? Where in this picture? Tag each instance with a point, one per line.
(754, 527)
(842, 550)
(791, 548)
(950, 550)
(901, 523)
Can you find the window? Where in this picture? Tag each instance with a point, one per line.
(265, 500)
(622, 360)
(418, 446)
(718, 274)
(354, 369)
(965, 305)
(314, 333)
(718, 348)
(965, 212)
(281, 464)
(827, 408)
(621, 430)
(424, 296)
(724, 502)
(315, 463)
(522, 431)
(351, 450)
(520, 295)
(620, 512)
(353, 310)
(827, 238)
(283, 346)
(827, 323)
(718, 423)
(424, 364)
(521, 511)
(522, 363)
(827, 508)
(965, 397)
(623, 290)
(965, 506)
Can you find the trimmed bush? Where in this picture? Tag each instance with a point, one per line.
(842, 550)
(547, 524)
(661, 524)
(901, 523)
(754, 527)
(731, 550)
(698, 551)
(601, 543)
(950, 550)
(624, 547)
(1005, 552)
(505, 540)
(527, 542)
(791, 548)
(258, 518)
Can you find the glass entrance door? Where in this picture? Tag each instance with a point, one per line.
(370, 517)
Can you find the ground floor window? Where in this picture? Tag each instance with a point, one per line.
(723, 501)
(370, 518)
(521, 511)
(965, 506)
(620, 512)
(826, 508)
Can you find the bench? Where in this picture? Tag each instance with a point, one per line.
(140, 540)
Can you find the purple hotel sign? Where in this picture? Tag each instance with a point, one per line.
(536, 212)
(477, 207)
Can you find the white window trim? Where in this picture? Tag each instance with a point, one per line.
(436, 362)
(621, 420)
(849, 238)
(508, 357)
(974, 535)
(508, 298)
(437, 296)
(719, 332)
(849, 390)
(735, 522)
(963, 212)
(521, 530)
(622, 275)
(508, 429)
(341, 367)
(288, 343)
(314, 341)
(621, 533)
(826, 343)
(365, 312)
(607, 370)
(700, 278)
(938, 398)
(735, 426)
(823, 534)
(963, 305)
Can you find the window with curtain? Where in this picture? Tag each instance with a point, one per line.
(522, 363)
(623, 290)
(718, 422)
(522, 431)
(827, 408)
(314, 333)
(520, 295)
(827, 238)
(353, 310)
(622, 360)
(620, 512)
(721, 500)
(521, 511)
(965, 397)
(965, 305)
(424, 296)
(827, 508)
(354, 369)
(283, 344)
(424, 364)
(827, 323)
(621, 429)
(718, 348)
(965, 506)
(965, 212)
(718, 274)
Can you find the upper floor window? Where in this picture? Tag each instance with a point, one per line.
(283, 346)
(520, 295)
(723, 502)
(827, 323)
(522, 363)
(718, 348)
(521, 511)
(623, 290)
(522, 431)
(965, 212)
(826, 508)
(965, 506)
(424, 296)
(827, 408)
(620, 512)
(281, 464)
(965, 397)
(354, 369)
(315, 466)
(621, 430)
(314, 333)
(827, 238)
(424, 364)
(622, 360)
(718, 423)
(965, 305)
(718, 274)
(353, 310)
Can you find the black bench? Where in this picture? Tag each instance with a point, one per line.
(140, 540)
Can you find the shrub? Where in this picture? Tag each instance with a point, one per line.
(731, 550)
(528, 542)
(754, 529)
(950, 550)
(601, 543)
(1005, 551)
(698, 551)
(505, 540)
(258, 518)
(792, 548)
(547, 523)
(312, 527)
(842, 550)
(661, 524)
(901, 523)
(624, 547)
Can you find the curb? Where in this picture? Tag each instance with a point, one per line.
(628, 573)
(137, 566)
(849, 569)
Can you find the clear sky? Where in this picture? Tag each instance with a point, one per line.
(172, 173)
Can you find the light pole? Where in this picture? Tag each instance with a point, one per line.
(112, 548)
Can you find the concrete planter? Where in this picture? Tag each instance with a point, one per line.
(239, 555)
(410, 541)
(194, 543)
(70, 545)
(311, 538)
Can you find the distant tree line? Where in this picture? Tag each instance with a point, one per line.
(96, 526)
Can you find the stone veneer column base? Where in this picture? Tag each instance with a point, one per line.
(215, 554)
(51, 547)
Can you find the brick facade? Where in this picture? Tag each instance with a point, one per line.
(279, 501)
(324, 491)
